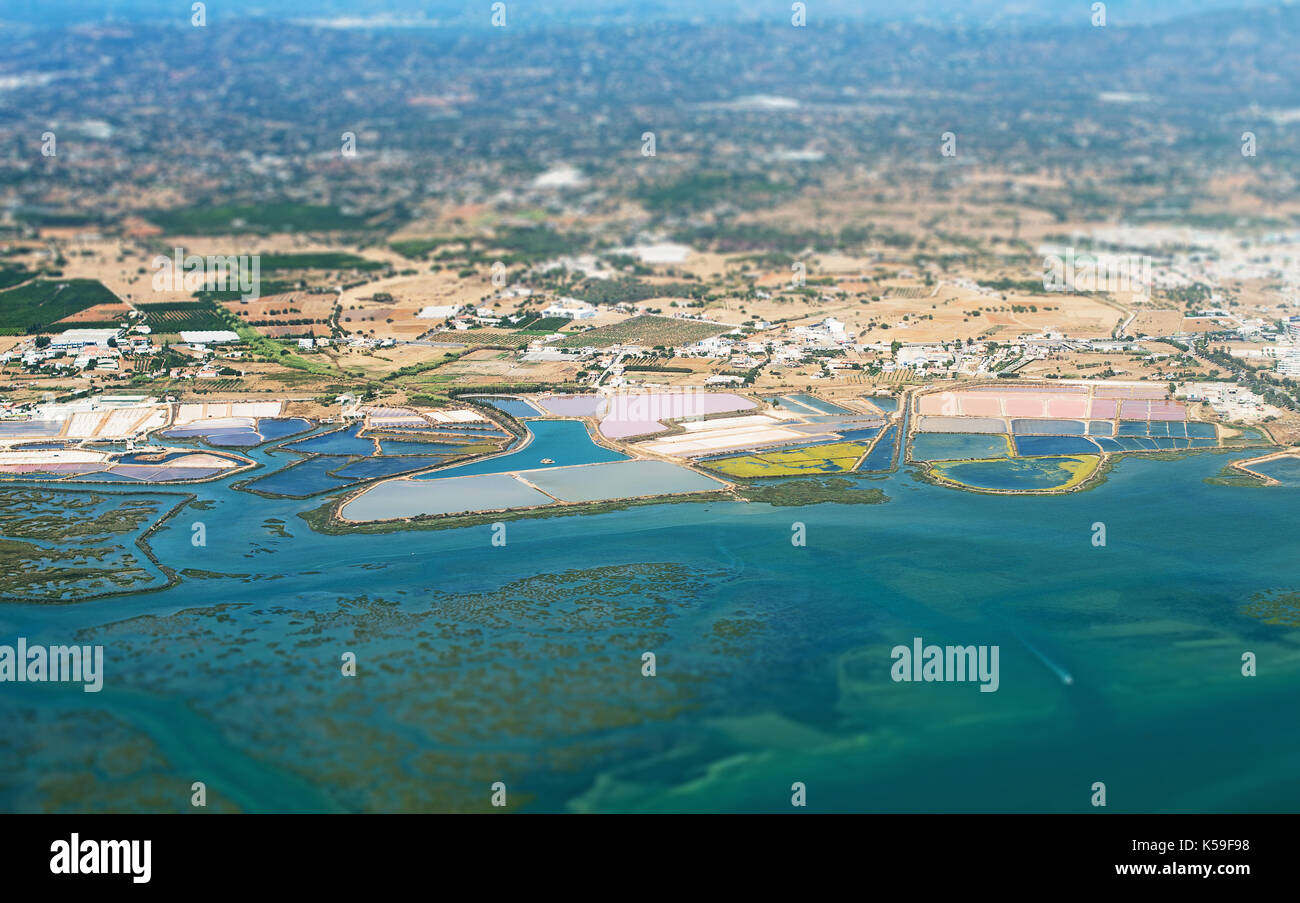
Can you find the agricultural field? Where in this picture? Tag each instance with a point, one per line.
(231, 219)
(542, 325)
(336, 261)
(419, 248)
(13, 275)
(174, 317)
(482, 337)
(489, 365)
(37, 305)
(288, 314)
(100, 316)
(646, 330)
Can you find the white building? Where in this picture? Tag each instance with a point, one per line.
(210, 337)
(1288, 362)
(437, 312)
(571, 309)
(80, 338)
(921, 356)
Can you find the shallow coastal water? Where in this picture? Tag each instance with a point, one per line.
(522, 663)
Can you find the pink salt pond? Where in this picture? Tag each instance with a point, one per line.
(641, 414)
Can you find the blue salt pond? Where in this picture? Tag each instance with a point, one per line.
(273, 428)
(1047, 427)
(884, 453)
(951, 446)
(1033, 446)
(818, 404)
(305, 478)
(564, 442)
(370, 468)
(1286, 470)
(393, 447)
(346, 441)
(515, 407)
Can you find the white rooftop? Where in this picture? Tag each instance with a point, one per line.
(209, 337)
(84, 337)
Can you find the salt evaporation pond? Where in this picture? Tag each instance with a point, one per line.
(370, 468)
(301, 480)
(882, 455)
(951, 446)
(238, 432)
(642, 413)
(817, 404)
(31, 428)
(412, 498)
(1028, 474)
(564, 442)
(1037, 446)
(346, 441)
(515, 407)
(1285, 470)
(620, 479)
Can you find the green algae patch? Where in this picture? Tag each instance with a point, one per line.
(1233, 476)
(797, 493)
(838, 457)
(70, 545)
(1017, 475)
(1279, 608)
(458, 677)
(276, 527)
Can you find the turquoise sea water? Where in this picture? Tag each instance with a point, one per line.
(522, 662)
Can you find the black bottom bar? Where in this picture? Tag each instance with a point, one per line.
(367, 852)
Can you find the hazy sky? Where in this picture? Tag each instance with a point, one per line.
(530, 13)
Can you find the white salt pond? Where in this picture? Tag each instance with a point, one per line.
(412, 498)
(493, 492)
(620, 479)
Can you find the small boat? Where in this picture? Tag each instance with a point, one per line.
(547, 461)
